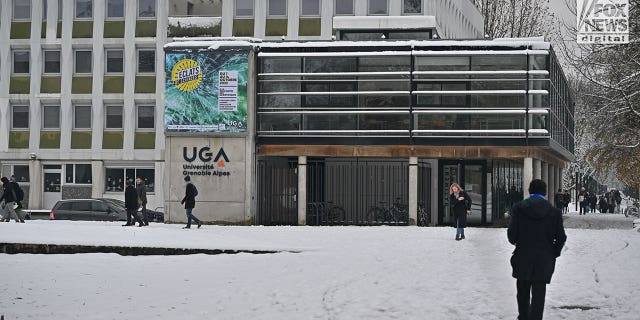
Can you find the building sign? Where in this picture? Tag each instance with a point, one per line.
(206, 91)
(603, 21)
(210, 166)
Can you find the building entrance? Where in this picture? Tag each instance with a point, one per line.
(51, 186)
(471, 176)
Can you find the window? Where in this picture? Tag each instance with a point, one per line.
(146, 61)
(115, 8)
(146, 117)
(378, 7)
(52, 61)
(115, 61)
(244, 8)
(344, 7)
(412, 6)
(84, 9)
(116, 178)
(21, 9)
(21, 62)
(82, 117)
(51, 117)
(83, 61)
(310, 8)
(78, 173)
(20, 117)
(114, 117)
(277, 8)
(146, 8)
(19, 171)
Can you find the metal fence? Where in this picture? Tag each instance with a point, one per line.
(277, 191)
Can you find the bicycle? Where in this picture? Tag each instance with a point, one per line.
(325, 212)
(632, 210)
(396, 213)
(424, 216)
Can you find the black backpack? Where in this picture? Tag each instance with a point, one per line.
(18, 191)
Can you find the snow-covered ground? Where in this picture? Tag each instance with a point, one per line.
(341, 273)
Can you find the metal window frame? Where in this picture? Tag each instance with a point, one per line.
(75, 10)
(138, 50)
(106, 61)
(106, 117)
(155, 10)
(153, 107)
(27, 106)
(13, 10)
(75, 106)
(13, 61)
(44, 118)
(106, 11)
(75, 61)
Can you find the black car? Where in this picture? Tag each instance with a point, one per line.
(102, 209)
(89, 209)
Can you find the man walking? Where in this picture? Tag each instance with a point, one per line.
(141, 189)
(8, 199)
(537, 232)
(131, 205)
(189, 202)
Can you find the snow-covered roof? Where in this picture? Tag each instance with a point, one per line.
(195, 21)
(214, 43)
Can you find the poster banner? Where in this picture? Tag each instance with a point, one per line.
(206, 91)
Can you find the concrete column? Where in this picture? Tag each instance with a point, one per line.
(227, 18)
(130, 65)
(413, 190)
(98, 179)
(537, 169)
(293, 17)
(326, 20)
(435, 194)
(545, 175)
(551, 185)
(260, 19)
(5, 75)
(35, 184)
(302, 190)
(527, 176)
(559, 173)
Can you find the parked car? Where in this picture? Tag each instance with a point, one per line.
(89, 209)
(102, 209)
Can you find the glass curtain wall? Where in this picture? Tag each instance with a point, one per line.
(506, 187)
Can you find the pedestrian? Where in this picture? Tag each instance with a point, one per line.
(131, 205)
(603, 204)
(460, 204)
(559, 200)
(141, 189)
(593, 201)
(9, 201)
(582, 200)
(567, 200)
(537, 232)
(611, 201)
(618, 197)
(189, 201)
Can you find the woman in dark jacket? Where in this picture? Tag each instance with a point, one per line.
(460, 203)
(537, 232)
(131, 204)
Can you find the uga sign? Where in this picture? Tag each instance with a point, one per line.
(205, 155)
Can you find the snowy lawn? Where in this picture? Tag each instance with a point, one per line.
(341, 273)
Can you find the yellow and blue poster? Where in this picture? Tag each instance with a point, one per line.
(206, 91)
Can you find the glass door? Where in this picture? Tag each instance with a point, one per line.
(471, 176)
(52, 175)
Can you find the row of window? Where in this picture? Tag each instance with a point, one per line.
(82, 119)
(83, 9)
(81, 173)
(83, 61)
(278, 8)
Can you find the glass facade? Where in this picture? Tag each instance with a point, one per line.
(419, 93)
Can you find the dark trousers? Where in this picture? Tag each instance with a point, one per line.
(530, 308)
(190, 217)
(132, 217)
(144, 214)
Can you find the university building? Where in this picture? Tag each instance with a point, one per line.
(289, 112)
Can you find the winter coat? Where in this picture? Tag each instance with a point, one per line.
(141, 189)
(593, 200)
(611, 200)
(459, 209)
(130, 198)
(559, 200)
(8, 193)
(567, 199)
(189, 199)
(537, 232)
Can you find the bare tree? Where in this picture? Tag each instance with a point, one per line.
(515, 18)
(608, 104)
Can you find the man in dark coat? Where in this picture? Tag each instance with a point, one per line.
(8, 199)
(189, 202)
(141, 189)
(131, 204)
(537, 232)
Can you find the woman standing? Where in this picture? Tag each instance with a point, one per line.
(460, 203)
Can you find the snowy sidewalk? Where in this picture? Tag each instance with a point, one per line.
(341, 273)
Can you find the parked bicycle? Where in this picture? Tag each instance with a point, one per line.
(632, 210)
(397, 213)
(324, 212)
(424, 216)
